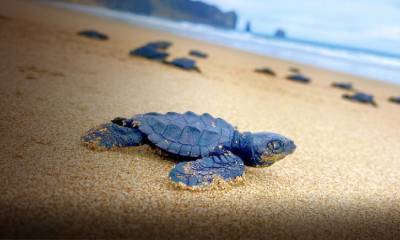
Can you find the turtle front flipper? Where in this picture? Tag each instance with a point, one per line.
(113, 135)
(208, 171)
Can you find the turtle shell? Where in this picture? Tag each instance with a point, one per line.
(188, 134)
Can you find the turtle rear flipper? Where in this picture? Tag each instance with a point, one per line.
(113, 135)
(373, 103)
(197, 69)
(347, 96)
(208, 171)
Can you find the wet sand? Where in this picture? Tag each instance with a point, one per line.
(342, 181)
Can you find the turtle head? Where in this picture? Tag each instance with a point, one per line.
(264, 149)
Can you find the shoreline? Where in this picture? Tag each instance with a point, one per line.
(316, 59)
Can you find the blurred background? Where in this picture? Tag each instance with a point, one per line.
(360, 37)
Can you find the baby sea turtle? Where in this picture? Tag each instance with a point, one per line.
(298, 78)
(343, 85)
(211, 150)
(294, 70)
(184, 63)
(197, 53)
(159, 44)
(362, 98)
(93, 34)
(266, 70)
(394, 99)
(149, 52)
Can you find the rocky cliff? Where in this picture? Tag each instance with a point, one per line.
(178, 10)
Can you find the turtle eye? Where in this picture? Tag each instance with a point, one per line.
(275, 146)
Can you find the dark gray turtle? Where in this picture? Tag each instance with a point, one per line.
(266, 70)
(93, 34)
(361, 98)
(299, 78)
(343, 85)
(197, 53)
(394, 100)
(184, 63)
(149, 53)
(211, 149)
(294, 70)
(159, 44)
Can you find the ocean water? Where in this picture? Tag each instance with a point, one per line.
(360, 62)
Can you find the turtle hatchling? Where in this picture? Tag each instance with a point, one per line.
(149, 53)
(184, 63)
(159, 45)
(210, 150)
(197, 53)
(394, 99)
(299, 78)
(343, 85)
(93, 34)
(265, 70)
(361, 98)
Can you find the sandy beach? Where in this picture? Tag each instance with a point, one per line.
(342, 182)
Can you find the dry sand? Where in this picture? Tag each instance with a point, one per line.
(343, 180)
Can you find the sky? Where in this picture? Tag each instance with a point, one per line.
(371, 24)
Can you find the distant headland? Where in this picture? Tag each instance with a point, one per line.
(177, 10)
